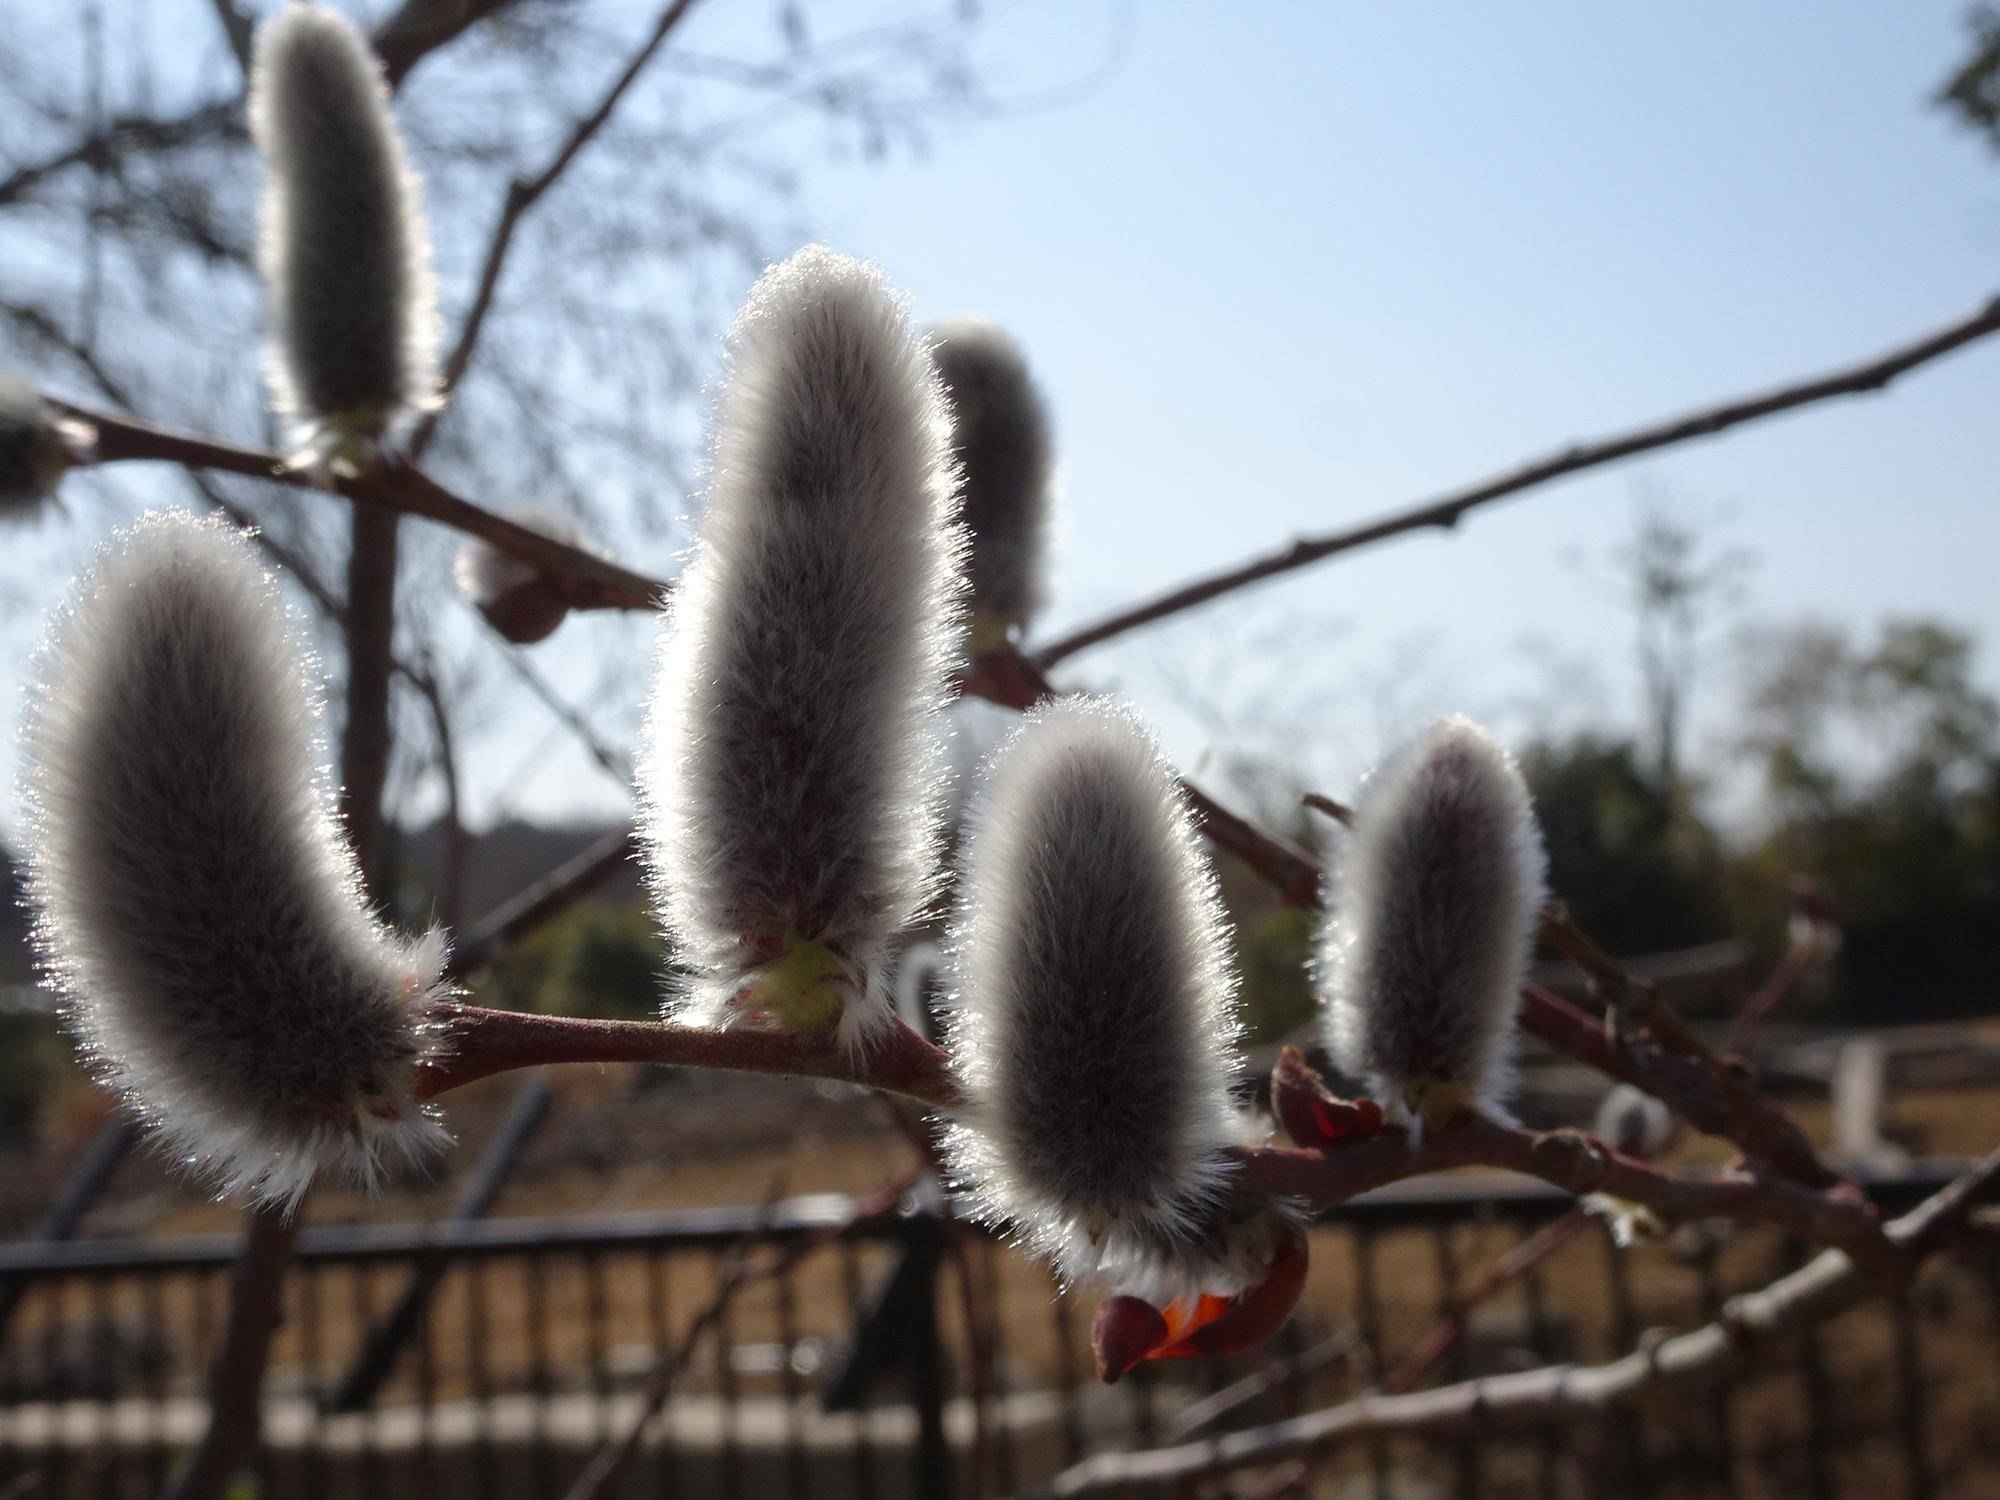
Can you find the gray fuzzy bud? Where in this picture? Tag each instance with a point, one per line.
(1433, 920)
(517, 601)
(1000, 431)
(1093, 1020)
(194, 900)
(1633, 1121)
(36, 449)
(344, 252)
(790, 773)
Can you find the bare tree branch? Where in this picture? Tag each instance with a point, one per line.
(237, 29)
(420, 27)
(369, 631)
(394, 485)
(522, 195)
(1729, 1104)
(417, 29)
(1567, 1159)
(124, 136)
(1446, 511)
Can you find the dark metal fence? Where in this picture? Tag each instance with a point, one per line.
(906, 1356)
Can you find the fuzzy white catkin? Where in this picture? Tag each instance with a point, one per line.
(1000, 432)
(790, 774)
(35, 448)
(1433, 909)
(1093, 1020)
(344, 252)
(194, 900)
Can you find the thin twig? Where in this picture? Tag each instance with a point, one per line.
(1340, 812)
(610, 1461)
(1445, 512)
(1650, 1034)
(238, 30)
(417, 29)
(1815, 936)
(522, 194)
(547, 897)
(1503, 1273)
(420, 27)
(473, 1042)
(736, 1272)
(1568, 1159)
(586, 580)
(1259, 1383)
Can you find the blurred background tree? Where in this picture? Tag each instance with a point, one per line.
(1972, 92)
(602, 177)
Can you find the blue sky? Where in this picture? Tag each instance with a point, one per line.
(1294, 265)
(1288, 266)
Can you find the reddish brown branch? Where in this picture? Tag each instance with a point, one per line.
(1446, 511)
(586, 580)
(474, 1042)
(1656, 1050)
(1340, 812)
(1567, 1159)
(1816, 936)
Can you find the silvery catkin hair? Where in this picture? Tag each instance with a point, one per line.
(194, 900)
(1000, 431)
(1433, 920)
(790, 773)
(36, 447)
(344, 253)
(1093, 1020)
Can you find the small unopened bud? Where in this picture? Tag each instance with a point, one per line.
(344, 252)
(1433, 921)
(1633, 1122)
(1000, 432)
(194, 901)
(1093, 1023)
(522, 604)
(791, 775)
(37, 447)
